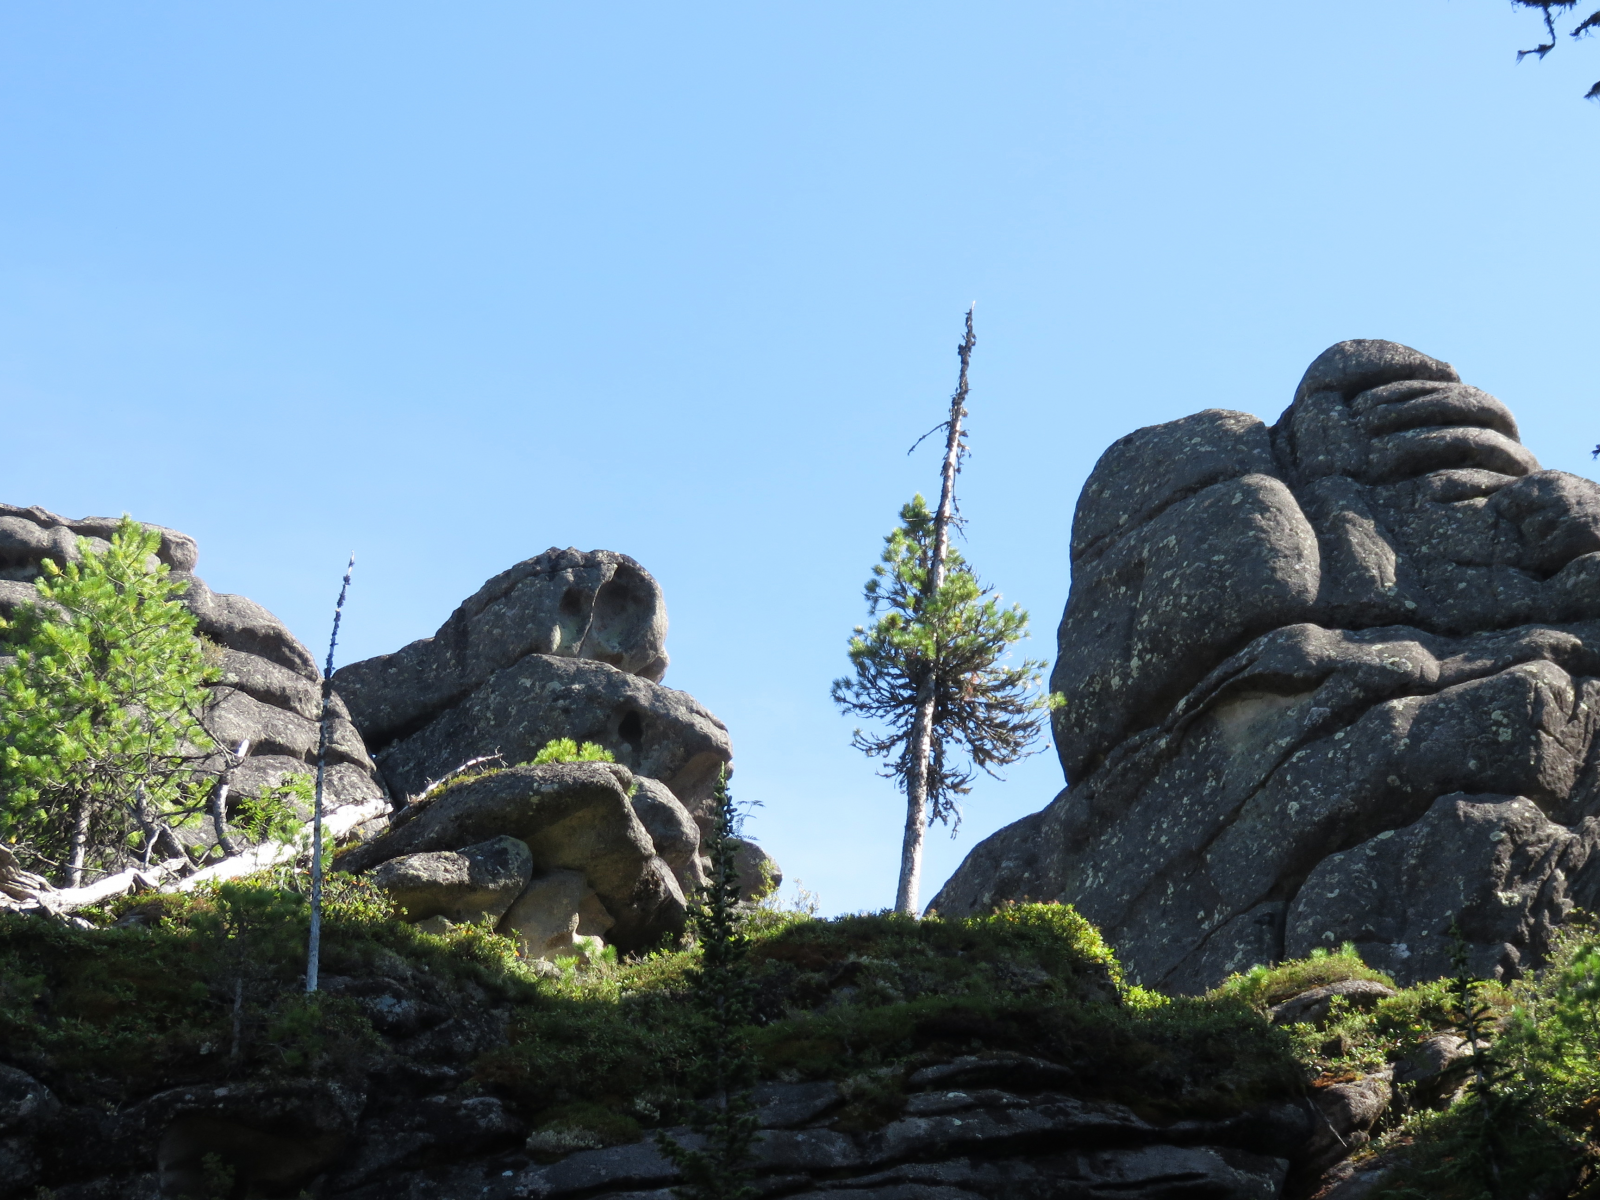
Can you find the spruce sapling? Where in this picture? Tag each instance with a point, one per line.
(100, 736)
(725, 1065)
(1474, 1021)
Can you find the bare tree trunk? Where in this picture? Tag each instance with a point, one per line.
(219, 799)
(920, 747)
(80, 842)
(314, 941)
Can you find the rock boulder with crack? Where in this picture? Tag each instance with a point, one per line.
(1337, 679)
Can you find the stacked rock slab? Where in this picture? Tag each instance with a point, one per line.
(270, 689)
(1333, 680)
(567, 644)
(552, 852)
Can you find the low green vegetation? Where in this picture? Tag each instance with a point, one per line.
(565, 750)
(173, 989)
(1530, 1128)
(178, 989)
(1529, 1124)
(188, 988)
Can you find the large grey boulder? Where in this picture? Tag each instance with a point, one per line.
(553, 912)
(672, 828)
(565, 645)
(459, 885)
(1337, 679)
(758, 872)
(600, 606)
(652, 730)
(269, 692)
(572, 817)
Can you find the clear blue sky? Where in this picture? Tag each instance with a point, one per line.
(449, 284)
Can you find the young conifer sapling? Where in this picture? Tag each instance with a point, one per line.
(725, 1063)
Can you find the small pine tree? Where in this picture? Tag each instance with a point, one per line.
(100, 724)
(725, 1065)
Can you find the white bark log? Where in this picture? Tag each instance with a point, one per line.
(64, 900)
(271, 854)
(21, 891)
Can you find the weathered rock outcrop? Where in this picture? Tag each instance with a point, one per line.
(572, 817)
(1337, 679)
(994, 1127)
(477, 881)
(269, 692)
(567, 644)
(599, 606)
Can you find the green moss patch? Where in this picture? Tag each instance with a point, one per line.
(873, 997)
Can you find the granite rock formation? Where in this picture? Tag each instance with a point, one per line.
(1333, 680)
(572, 817)
(567, 644)
(270, 689)
(463, 885)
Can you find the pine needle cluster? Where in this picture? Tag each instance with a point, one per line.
(987, 709)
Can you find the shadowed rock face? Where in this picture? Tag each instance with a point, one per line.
(572, 817)
(1337, 679)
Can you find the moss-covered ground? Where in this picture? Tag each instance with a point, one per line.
(179, 989)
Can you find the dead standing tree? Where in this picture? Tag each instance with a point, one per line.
(929, 667)
(314, 942)
(921, 746)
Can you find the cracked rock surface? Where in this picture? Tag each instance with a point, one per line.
(568, 644)
(1336, 679)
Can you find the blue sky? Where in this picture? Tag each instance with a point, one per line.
(452, 284)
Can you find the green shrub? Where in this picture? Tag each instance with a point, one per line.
(1261, 987)
(837, 999)
(207, 985)
(565, 750)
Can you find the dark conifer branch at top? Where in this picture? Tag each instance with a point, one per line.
(1547, 9)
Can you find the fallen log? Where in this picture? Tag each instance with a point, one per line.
(23, 891)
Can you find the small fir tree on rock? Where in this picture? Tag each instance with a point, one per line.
(100, 736)
(725, 1066)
